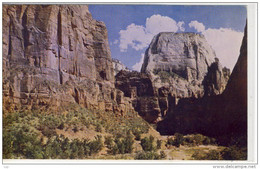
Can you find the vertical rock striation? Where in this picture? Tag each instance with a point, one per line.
(223, 116)
(177, 66)
(54, 55)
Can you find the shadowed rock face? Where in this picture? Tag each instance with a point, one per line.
(54, 55)
(222, 116)
(139, 88)
(176, 66)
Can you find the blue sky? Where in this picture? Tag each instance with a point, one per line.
(131, 28)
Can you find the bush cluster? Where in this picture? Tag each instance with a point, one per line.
(45, 124)
(229, 153)
(211, 155)
(148, 143)
(199, 139)
(150, 155)
(25, 143)
(120, 144)
(234, 153)
(177, 141)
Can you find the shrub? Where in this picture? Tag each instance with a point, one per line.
(122, 145)
(128, 142)
(96, 145)
(47, 123)
(137, 135)
(21, 142)
(206, 141)
(170, 141)
(159, 144)
(148, 143)
(211, 155)
(150, 155)
(177, 141)
(109, 142)
(234, 153)
(98, 128)
(162, 155)
(198, 138)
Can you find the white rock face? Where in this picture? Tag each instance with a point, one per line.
(181, 62)
(185, 54)
(117, 65)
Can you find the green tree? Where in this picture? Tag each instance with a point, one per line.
(128, 142)
(148, 143)
(96, 145)
(178, 139)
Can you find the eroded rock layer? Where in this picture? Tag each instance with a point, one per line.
(57, 54)
(223, 116)
(176, 66)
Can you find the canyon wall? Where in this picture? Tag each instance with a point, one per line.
(223, 116)
(176, 66)
(54, 55)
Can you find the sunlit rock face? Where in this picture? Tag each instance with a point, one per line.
(188, 59)
(186, 54)
(222, 116)
(54, 55)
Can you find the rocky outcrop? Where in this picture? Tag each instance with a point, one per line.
(222, 116)
(139, 87)
(216, 79)
(118, 66)
(184, 59)
(185, 54)
(177, 66)
(57, 54)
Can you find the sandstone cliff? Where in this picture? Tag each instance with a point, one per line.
(223, 116)
(187, 58)
(186, 54)
(57, 54)
(176, 66)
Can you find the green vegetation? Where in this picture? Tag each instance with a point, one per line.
(229, 153)
(159, 144)
(165, 75)
(198, 139)
(120, 144)
(211, 155)
(24, 142)
(150, 155)
(33, 134)
(148, 143)
(234, 153)
(177, 141)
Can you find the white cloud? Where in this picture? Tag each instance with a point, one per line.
(180, 26)
(226, 43)
(115, 42)
(139, 37)
(157, 23)
(139, 64)
(197, 25)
